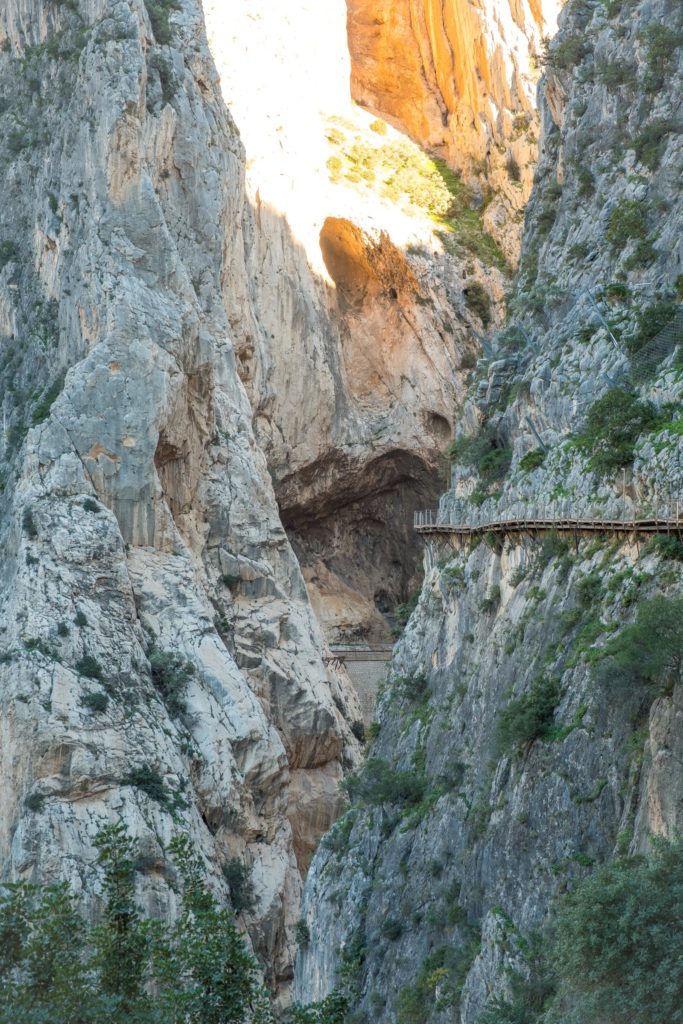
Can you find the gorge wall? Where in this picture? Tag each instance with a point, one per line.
(352, 338)
(159, 658)
(460, 78)
(468, 823)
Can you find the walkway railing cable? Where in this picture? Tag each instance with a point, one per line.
(464, 519)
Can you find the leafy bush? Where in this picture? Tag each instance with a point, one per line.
(8, 252)
(42, 409)
(90, 505)
(159, 12)
(491, 601)
(149, 780)
(95, 701)
(650, 320)
(302, 933)
(170, 675)
(332, 1010)
(28, 522)
(627, 220)
(616, 73)
(127, 968)
(513, 168)
(478, 301)
(378, 783)
(651, 141)
(80, 619)
(662, 41)
(666, 546)
(379, 127)
(413, 688)
(483, 453)
(34, 803)
(589, 589)
(532, 460)
(568, 53)
(238, 876)
(392, 928)
(89, 667)
(619, 947)
(613, 425)
(529, 717)
(648, 653)
(552, 546)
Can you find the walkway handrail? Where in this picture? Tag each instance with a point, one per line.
(462, 517)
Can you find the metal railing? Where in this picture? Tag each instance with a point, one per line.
(462, 518)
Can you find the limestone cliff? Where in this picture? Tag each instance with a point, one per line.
(159, 658)
(464, 832)
(460, 77)
(355, 326)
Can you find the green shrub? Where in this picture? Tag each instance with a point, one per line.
(89, 667)
(230, 580)
(613, 425)
(8, 252)
(492, 600)
(127, 968)
(42, 409)
(90, 505)
(651, 141)
(358, 730)
(589, 589)
(619, 947)
(568, 53)
(238, 876)
(333, 1009)
(392, 928)
(665, 546)
(479, 301)
(552, 546)
(513, 168)
(379, 783)
(29, 524)
(62, 629)
(483, 453)
(302, 933)
(95, 701)
(532, 460)
(646, 655)
(616, 73)
(80, 619)
(159, 12)
(34, 803)
(413, 688)
(379, 127)
(662, 41)
(529, 717)
(650, 320)
(167, 80)
(627, 220)
(170, 675)
(149, 780)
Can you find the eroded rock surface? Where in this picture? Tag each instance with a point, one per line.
(137, 513)
(425, 896)
(460, 78)
(352, 334)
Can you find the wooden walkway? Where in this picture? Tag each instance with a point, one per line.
(451, 521)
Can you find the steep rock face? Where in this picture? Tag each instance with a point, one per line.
(137, 513)
(461, 839)
(351, 335)
(460, 78)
